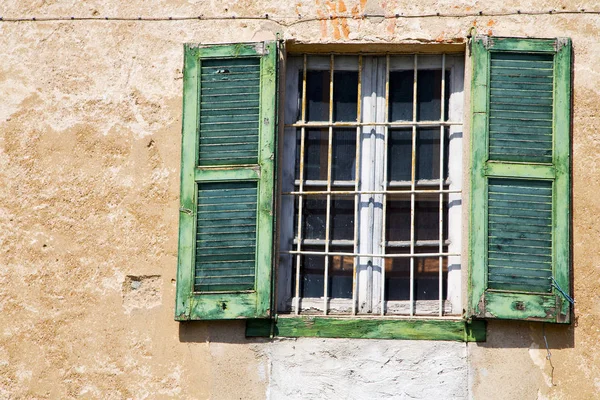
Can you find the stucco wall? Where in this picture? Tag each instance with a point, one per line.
(90, 129)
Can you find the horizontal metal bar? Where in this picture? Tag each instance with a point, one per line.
(344, 254)
(389, 243)
(350, 192)
(321, 242)
(393, 183)
(318, 182)
(387, 317)
(408, 124)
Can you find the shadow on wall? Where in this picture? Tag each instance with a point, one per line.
(514, 334)
(215, 331)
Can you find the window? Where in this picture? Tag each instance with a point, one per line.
(370, 180)
(392, 236)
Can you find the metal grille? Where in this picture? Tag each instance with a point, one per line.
(371, 188)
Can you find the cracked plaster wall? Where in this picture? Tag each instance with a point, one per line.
(90, 121)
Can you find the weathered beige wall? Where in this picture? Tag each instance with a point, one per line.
(90, 121)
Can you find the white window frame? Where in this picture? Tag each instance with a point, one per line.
(371, 188)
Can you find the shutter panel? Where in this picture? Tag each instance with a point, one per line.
(520, 190)
(227, 182)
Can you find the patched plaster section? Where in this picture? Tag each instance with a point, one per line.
(310, 368)
(141, 292)
(539, 358)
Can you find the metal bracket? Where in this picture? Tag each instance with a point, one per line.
(186, 211)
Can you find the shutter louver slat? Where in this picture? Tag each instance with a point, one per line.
(519, 263)
(521, 107)
(228, 130)
(230, 245)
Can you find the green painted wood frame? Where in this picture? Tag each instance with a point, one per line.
(191, 305)
(369, 328)
(483, 302)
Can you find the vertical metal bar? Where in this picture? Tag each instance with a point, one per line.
(356, 182)
(328, 212)
(441, 187)
(371, 170)
(301, 188)
(412, 188)
(385, 179)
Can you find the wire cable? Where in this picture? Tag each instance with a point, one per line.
(298, 19)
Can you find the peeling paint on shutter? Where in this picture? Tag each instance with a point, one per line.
(520, 193)
(227, 182)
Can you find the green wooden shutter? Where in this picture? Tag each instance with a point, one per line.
(519, 214)
(227, 166)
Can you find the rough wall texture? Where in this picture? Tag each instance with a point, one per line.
(90, 122)
(363, 369)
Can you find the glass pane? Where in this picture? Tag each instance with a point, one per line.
(344, 154)
(399, 154)
(345, 94)
(397, 275)
(340, 275)
(313, 274)
(316, 143)
(317, 95)
(426, 283)
(427, 278)
(342, 218)
(428, 153)
(313, 217)
(397, 222)
(427, 218)
(401, 95)
(429, 92)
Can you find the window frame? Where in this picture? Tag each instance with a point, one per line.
(286, 301)
(265, 322)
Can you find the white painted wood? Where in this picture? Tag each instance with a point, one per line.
(378, 184)
(365, 227)
(455, 172)
(314, 305)
(286, 213)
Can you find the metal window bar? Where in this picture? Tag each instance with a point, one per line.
(385, 184)
(412, 188)
(414, 124)
(441, 198)
(328, 209)
(369, 255)
(416, 191)
(357, 172)
(391, 124)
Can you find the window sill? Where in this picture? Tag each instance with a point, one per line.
(458, 330)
